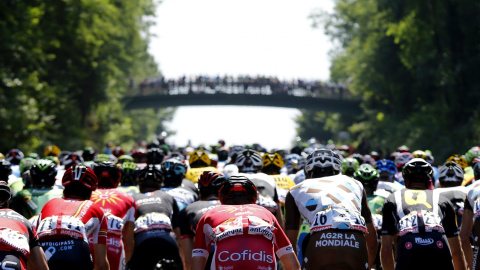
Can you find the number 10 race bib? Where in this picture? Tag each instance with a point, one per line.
(338, 217)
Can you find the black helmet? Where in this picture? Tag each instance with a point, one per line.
(210, 182)
(14, 156)
(249, 161)
(5, 169)
(88, 154)
(150, 176)
(238, 190)
(476, 170)
(173, 172)
(155, 156)
(417, 169)
(43, 172)
(5, 193)
(321, 163)
(108, 174)
(450, 174)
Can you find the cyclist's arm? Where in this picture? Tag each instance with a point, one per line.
(386, 253)
(279, 216)
(465, 231)
(290, 261)
(128, 239)
(37, 259)
(457, 253)
(371, 237)
(292, 222)
(101, 261)
(187, 247)
(372, 244)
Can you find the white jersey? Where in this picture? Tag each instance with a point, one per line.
(330, 202)
(473, 198)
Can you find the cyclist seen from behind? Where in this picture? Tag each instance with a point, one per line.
(119, 208)
(209, 184)
(423, 222)
(156, 224)
(19, 247)
(246, 235)
(342, 234)
(64, 224)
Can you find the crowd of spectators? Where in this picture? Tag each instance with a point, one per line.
(238, 85)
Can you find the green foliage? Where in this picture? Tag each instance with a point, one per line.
(414, 63)
(64, 67)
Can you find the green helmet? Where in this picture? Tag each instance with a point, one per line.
(101, 157)
(43, 172)
(125, 158)
(368, 176)
(472, 153)
(129, 173)
(26, 164)
(349, 166)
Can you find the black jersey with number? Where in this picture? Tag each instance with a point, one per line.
(403, 203)
(190, 215)
(156, 202)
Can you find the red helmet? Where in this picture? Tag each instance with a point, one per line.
(82, 174)
(211, 179)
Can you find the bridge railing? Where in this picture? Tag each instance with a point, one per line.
(300, 89)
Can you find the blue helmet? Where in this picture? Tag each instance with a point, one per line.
(386, 165)
(295, 163)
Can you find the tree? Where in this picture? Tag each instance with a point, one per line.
(413, 63)
(65, 66)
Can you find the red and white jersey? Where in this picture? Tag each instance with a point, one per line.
(118, 206)
(245, 236)
(16, 234)
(70, 218)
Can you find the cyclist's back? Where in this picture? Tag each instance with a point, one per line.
(30, 201)
(246, 235)
(19, 244)
(156, 221)
(423, 220)
(64, 224)
(120, 209)
(335, 206)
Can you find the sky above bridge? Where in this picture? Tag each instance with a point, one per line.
(218, 37)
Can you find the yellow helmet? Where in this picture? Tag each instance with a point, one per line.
(459, 160)
(198, 159)
(272, 159)
(2, 156)
(51, 150)
(420, 154)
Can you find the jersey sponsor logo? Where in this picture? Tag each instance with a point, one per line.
(109, 197)
(423, 241)
(416, 197)
(408, 245)
(337, 243)
(245, 255)
(230, 267)
(148, 201)
(11, 214)
(439, 244)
